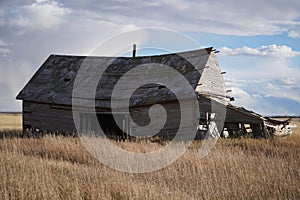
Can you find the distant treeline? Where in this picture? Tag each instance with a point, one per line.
(12, 113)
(284, 116)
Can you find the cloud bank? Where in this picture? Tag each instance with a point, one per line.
(231, 17)
(259, 75)
(31, 30)
(267, 51)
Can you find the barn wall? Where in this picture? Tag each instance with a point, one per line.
(47, 117)
(174, 112)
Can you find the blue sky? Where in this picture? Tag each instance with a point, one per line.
(259, 41)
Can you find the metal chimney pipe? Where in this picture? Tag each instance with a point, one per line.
(134, 50)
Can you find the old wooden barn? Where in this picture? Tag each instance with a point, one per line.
(47, 97)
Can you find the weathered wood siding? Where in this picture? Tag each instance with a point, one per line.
(211, 82)
(50, 117)
(175, 116)
(47, 117)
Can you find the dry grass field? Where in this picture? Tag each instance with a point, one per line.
(10, 121)
(55, 167)
(296, 121)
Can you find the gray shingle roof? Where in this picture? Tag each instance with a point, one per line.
(54, 81)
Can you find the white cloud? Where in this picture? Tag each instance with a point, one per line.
(4, 49)
(232, 18)
(42, 14)
(260, 97)
(261, 82)
(268, 51)
(286, 85)
(293, 34)
(254, 94)
(280, 92)
(2, 43)
(270, 86)
(288, 81)
(241, 96)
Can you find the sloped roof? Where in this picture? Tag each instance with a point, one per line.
(54, 81)
(244, 113)
(234, 113)
(278, 121)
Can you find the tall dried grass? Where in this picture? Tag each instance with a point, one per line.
(55, 167)
(10, 121)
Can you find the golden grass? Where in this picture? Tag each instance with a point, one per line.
(56, 167)
(296, 121)
(10, 121)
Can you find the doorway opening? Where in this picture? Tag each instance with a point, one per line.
(108, 123)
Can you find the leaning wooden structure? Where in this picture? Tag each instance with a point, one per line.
(47, 97)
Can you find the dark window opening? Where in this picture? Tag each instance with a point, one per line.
(107, 122)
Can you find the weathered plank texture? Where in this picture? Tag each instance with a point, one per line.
(211, 83)
(54, 82)
(43, 117)
(48, 117)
